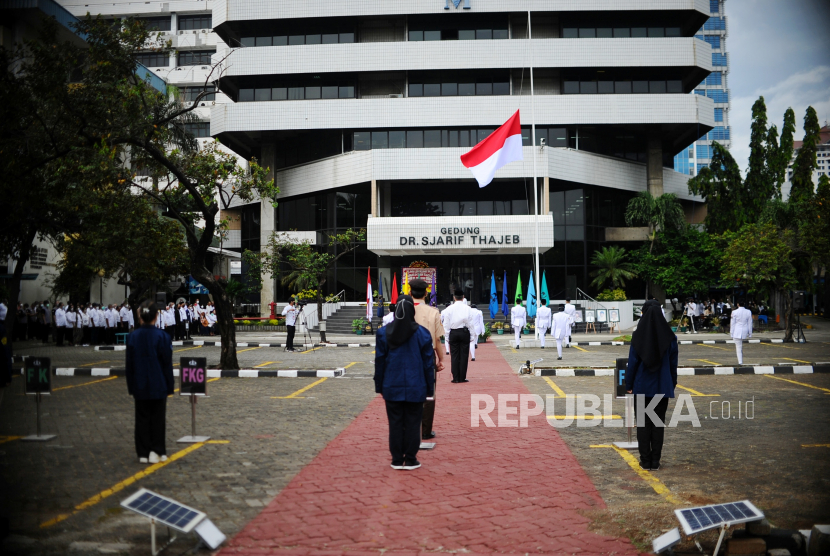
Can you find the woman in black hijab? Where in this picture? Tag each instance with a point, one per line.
(652, 372)
(404, 361)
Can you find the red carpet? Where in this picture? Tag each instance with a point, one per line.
(482, 490)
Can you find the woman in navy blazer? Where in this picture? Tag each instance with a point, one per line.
(404, 361)
(652, 372)
(150, 381)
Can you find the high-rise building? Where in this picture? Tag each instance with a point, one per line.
(714, 32)
(822, 160)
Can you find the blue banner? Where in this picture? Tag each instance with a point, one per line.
(531, 297)
(494, 297)
(195, 287)
(504, 308)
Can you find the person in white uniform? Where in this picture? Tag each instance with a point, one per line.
(446, 339)
(478, 321)
(459, 331)
(740, 329)
(518, 320)
(543, 321)
(570, 310)
(560, 328)
(389, 317)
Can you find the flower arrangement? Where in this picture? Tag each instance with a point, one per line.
(497, 326)
(612, 295)
(310, 295)
(418, 264)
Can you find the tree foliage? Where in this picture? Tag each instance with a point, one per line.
(721, 186)
(803, 188)
(612, 267)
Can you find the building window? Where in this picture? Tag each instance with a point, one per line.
(189, 94)
(294, 40)
(714, 6)
(719, 133)
(156, 23)
(673, 86)
(153, 59)
(190, 22)
(718, 60)
(619, 32)
(715, 24)
(195, 57)
(456, 85)
(718, 114)
(198, 129)
(308, 89)
(719, 96)
(714, 78)
(704, 152)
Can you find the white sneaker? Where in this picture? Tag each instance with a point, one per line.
(163, 458)
(142, 460)
(154, 457)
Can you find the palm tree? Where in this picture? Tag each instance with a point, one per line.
(658, 213)
(612, 267)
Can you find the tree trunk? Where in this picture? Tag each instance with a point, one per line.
(224, 317)
(14, 289)
(788, 317)
(320, 314)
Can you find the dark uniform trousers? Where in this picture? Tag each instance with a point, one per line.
(404, 420)
(650, 436)
(150, 427)
(429, 410)
(459, 352)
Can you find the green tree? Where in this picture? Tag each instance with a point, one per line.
(612, 267)
(803, 188)
(721, 186)
(779, 154)
(759, 259)
(758, 183)
(302, 265)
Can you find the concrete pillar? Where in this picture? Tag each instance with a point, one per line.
(386, 199)
(546, 196)
(654, 165)
(385, 270)
(374, 198)
(268, 222)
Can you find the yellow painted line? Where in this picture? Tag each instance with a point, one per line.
(653, 481)
(249, 349)
(84, 384)
(696, 393)
(803, 445)
(797, 360)
(300, 391)
(312, 349)
(262, 365)
(122, 485)
(4, 439)
(96, 363)
(707, 361)
(777, 345)
(580, 349)
(586, 417)
(218, 441)
(559, 392)
(713, 347)
(349, 365)
(187, 349)
(373, 352)
(799, 383)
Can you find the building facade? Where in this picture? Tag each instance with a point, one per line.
(363, 108)
(822, 160)
(699, 154)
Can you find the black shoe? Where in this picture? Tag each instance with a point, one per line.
(517, 347)
(397, 465)
(645, 466)
(465, 380)
(559, 359)
(543, 347)
(474, 359)
(428, 436)
(412, 465)
(455, 382)
(655, 466)
(567, 346)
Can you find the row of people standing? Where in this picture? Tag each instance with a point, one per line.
(181, 320)
(90, 323)
(559, 324)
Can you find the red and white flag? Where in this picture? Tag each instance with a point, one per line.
(369, 303)
(502, 146)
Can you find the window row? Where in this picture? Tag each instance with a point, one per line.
(459, 208)
(153, 59)
(619, 32)
(296, 93)
(459, 35)
(718, 60)
(718, 114)
(621, 87)
(292, 40)
(714, 6)
(714, 78)
(190, 22)
(418, 138)
(189, 94)
(195, 57)
(718, 95)
(715, 24)
(713, 40)
(459, 89)
(198, 129)
(719, 133)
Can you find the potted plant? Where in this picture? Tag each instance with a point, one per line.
(498, 327)
(358, 325)
(482, 338)
(442, 338)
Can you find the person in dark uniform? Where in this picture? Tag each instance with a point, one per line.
(459, 330)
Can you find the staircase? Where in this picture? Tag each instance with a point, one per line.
(340, 322)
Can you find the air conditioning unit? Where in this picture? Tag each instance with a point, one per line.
(396, 96)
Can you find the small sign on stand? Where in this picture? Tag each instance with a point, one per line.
(193, 383)
(620, 393)
(37, 372)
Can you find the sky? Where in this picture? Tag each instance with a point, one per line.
(778, 49)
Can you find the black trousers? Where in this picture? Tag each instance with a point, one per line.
(404, 430)
(650, 436)
(459, 353)
(180, 331)
(150, 427)
(289, 342)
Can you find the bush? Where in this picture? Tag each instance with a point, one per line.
(274, 322)
(612, 295)
(246, 322)
(235, 321)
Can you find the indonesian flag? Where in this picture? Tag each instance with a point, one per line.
(369, 304)
(502, 146)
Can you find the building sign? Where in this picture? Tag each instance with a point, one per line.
(424, 274)
(38, 258)
(458, 235)
(38, 374)
(236, 267)
(193, 376)
(457, 3)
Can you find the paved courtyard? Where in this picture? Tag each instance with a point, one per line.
(302, 462)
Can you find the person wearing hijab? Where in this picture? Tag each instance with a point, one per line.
(651, 374)
(404, 376)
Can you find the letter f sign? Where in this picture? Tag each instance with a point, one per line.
(456, 3)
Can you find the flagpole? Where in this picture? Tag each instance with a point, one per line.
(533, 155)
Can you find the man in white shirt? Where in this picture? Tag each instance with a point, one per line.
(389, 317)
(69, 327)
(691, 313)
(560, 327)
(459, 332)
(543, 321)
(570, 310)
(740, 329)
(124, 319)
(290, 313)
(518, 320)
(111, 315)
(60, 324)
(478, 320)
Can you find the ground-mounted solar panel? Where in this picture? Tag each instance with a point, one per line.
(164, 510)
(696, 520)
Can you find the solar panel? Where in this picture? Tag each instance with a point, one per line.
(695, 520)
(164, 510)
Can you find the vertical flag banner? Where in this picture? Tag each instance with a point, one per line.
(531, 297)
(517, 299)
(504, 308)
(393, 297)
(406, 289)
(433, 296)
(501, 147)
(369, 302)
(544, 287)
(494, 296)
(380, 294)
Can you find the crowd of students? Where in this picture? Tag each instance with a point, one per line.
(85, 324)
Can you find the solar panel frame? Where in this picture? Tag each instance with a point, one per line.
(164, 510)
(702, 518)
